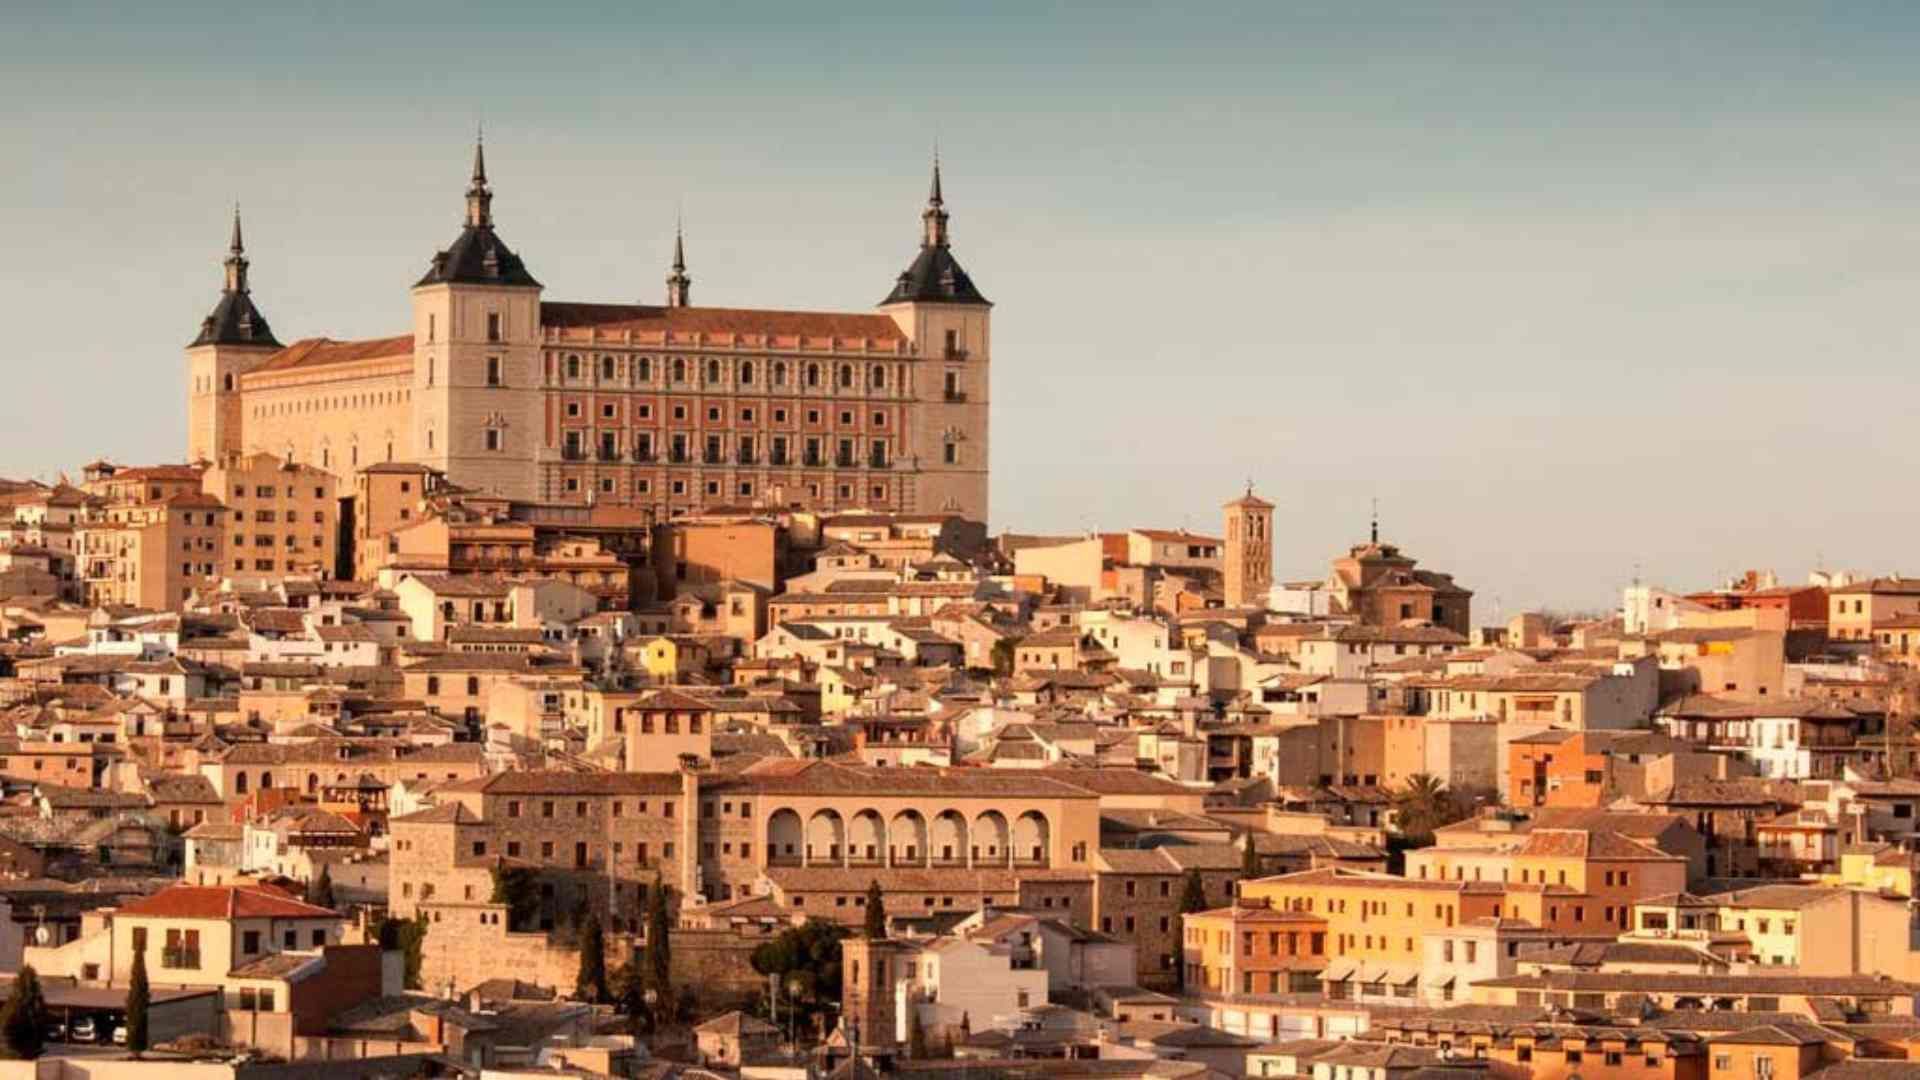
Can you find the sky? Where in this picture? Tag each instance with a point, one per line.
(1574, 291)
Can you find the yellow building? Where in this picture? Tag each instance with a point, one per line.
(152, 555)
(671, 407)
(282, 518)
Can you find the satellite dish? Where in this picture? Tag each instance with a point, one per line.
(42, 936)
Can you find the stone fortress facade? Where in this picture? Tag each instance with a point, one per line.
(672, 408)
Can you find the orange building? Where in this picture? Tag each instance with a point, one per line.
(1579, 881)
(1254, 949)
(1376, 917)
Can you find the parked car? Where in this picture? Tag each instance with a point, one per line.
(85, 1030)
(120, 1034)
(56, 1031)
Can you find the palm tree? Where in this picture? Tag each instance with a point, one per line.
(1422, 806)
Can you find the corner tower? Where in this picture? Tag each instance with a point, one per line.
(1249, 564)
(233, 340)
(937, 307)
(476, 356)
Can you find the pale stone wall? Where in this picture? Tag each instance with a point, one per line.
(457, 404)
(338, 417)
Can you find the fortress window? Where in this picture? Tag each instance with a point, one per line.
(679, 369)
(879, 419)
(606, 367)
(493, 438)
(493, 326)
(493, 371)
(229, 382)
(813, 374)
(573, 366)
(643, 369)
(713, 371)
(878, 377)
(746, 373)
(780, 373)
(952, 453)
(846, 375)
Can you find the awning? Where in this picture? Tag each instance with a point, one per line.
(1442, 981)
(1339, 970)
(1374, 973)
(1403, 976)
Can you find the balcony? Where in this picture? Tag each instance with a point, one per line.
(643, 454)
(744, 457)
(609, 453)
(180, 959)
(953, 353)
(813, 461)
(957, 397)
(777, 459)
(573, 453)
(844, 461)
(877, 461)
(677, 457)
(713, 457)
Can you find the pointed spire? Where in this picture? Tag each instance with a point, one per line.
(236, 257)
(679, 285)
(479, 198)
(479, 156)
(934, 220)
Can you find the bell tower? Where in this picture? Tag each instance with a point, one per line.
(233, 340)
(1249, 563)
(476, 356)
(937, 307)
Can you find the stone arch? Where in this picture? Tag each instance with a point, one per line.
(785, 835)
(1032, 838)
(826, 837)
(867, 837)
(948, 842)
(990, 838)
(907, 839)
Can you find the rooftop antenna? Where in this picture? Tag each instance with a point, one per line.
(1376, 520)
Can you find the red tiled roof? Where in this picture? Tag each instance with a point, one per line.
(683, 322)
(225, 902)
(315, 352)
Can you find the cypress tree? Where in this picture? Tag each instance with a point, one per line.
(591, 984)
(23, 1024)
(320, 890)
(139, 997)
(876, 928)
(660, 952)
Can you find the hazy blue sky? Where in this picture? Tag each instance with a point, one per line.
(1566, 287)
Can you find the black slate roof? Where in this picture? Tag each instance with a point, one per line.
(477, 257)
(235, 321)
(935, 276)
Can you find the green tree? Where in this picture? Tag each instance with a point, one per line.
(139, 997)
(1193, 897)
(876, 927)
(23, 1023)
(591, 984)
(1003, 655)
(916, 1034)
(1250, 861)
(660, 954)
(1422, 806)
(320, 889)
(805, 962)
(412, 939)
(519, 889)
